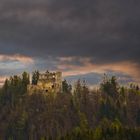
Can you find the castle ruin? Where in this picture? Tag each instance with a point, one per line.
(48, 82)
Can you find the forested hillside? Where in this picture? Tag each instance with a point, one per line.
(110, 113)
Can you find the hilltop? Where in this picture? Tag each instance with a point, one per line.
(111, 112)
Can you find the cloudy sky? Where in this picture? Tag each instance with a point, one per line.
(81, 38)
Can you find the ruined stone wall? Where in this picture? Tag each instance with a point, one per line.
(48, 82)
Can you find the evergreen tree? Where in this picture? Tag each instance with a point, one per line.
(66, 87)
(110, 86)
(35, 77)
(25, 82)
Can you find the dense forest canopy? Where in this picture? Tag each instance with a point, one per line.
(111, 112)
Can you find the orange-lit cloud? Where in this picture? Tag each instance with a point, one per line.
(2, 79)
(88, 66)
(16, 57)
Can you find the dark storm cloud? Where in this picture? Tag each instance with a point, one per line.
(108, 31)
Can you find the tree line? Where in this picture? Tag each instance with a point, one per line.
(111, 112)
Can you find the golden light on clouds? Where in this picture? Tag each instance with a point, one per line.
(88, 66)
(7, 62)
(2, 79)
(16, 57)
